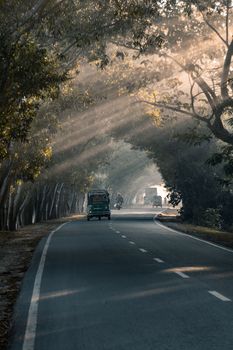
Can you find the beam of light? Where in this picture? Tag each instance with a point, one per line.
(190, 269)
(97, 121)
(61, 293)
(147, 293)
(79, 159)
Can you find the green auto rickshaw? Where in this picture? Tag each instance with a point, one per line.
(98, 204)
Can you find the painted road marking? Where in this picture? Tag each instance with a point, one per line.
(131, 242)
(218, 295)
(123, 236)
(192, 237)
(181, 274)
(143, 250)
(30, 332)
(158, 260)
(117, 231)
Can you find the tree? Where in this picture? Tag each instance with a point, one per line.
(210, 99)
(41, 41)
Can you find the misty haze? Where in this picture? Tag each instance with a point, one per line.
(116, 175)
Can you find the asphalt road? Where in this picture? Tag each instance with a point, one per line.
(125, 284)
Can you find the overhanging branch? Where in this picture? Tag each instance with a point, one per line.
(213, 28)
(226, 71)
(175, 109)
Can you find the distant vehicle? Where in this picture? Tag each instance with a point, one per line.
(98, 204)
(157, 201)
(119, 202)
(117, 206)
(150, 192)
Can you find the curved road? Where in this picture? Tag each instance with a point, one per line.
(125, 284)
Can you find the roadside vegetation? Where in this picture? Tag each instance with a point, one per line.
(78, 77)
(219, 237)
(107, 93)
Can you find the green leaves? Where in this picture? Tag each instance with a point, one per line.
(32, 75)
(194, 136)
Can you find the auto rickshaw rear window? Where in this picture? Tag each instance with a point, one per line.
(97, 198)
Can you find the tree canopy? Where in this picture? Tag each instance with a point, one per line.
(174, 56)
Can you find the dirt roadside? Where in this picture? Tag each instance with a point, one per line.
(16, 250)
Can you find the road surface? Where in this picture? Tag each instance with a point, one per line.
(125, 284)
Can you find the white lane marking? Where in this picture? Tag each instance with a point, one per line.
(192, 237)
(181, 274)
(30, 332)
(218, 295)
(117, 231)
(158, 260)
(143, 250)
(123, 236)
(131, 242)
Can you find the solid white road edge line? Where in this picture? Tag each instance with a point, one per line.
(192, 237)
(143, 250)
(218, 295)
(158, 260)
(30, 332)
(181, 274)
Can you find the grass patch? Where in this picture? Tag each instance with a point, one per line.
(210, 234)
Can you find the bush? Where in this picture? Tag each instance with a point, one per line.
(212, 218)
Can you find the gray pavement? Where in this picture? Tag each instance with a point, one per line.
(126, 284)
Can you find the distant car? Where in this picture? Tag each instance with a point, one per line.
(157, 201)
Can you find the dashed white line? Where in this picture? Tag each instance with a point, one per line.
(158, 260)
(181, 274)
(143, 250)
(218, 295)
(117, 231)
(131, 242)
(123, 236)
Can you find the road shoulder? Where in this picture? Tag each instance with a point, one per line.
(16, 252)
(222, 238)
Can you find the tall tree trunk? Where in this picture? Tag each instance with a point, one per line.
(20, 214)
(41, 211)
(15, 207)
(58, 199)
(5, 184)
(9, 223)
(5, 180)
(53, 200)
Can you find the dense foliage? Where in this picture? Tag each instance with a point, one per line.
(174, 55)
